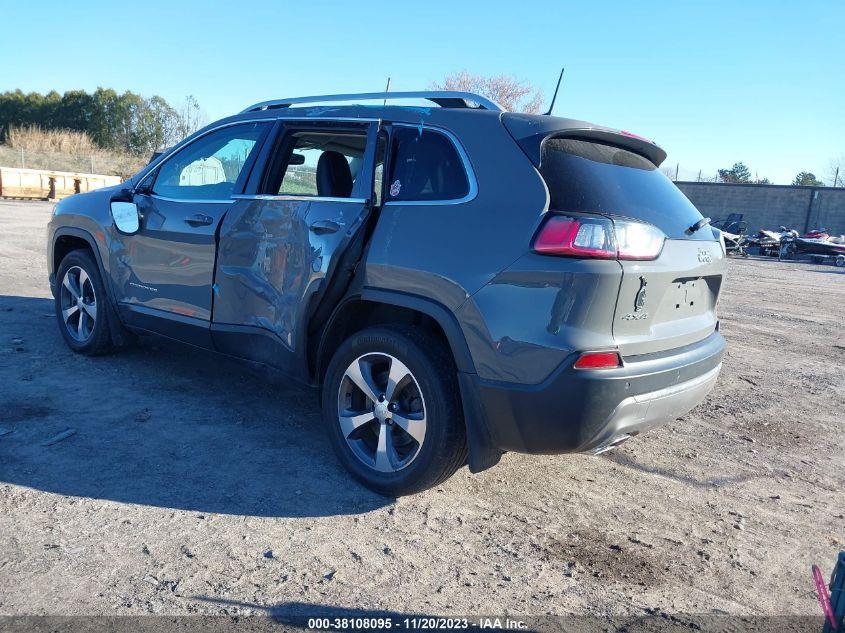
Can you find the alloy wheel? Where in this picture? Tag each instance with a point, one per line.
(381, 412)
(78, 304)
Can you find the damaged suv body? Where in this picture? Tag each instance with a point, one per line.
(458, 281)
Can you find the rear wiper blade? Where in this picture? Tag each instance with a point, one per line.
(698, 225)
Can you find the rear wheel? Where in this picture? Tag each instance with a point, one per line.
(391, 408)
(81, 305)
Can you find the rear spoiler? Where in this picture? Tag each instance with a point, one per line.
(529, 131)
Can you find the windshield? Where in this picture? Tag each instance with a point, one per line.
(593, 177)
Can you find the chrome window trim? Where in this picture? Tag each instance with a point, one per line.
(291, 197)
(468, 170)
(191, 200)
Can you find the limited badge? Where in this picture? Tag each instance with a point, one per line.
(395, 188)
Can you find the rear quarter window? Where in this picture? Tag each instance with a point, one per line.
(424, 166)
(586, 176)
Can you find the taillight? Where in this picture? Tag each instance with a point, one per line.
(599, 237)
(585, 237)
(638, 240)
(598, 360)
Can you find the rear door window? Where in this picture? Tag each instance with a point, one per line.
(318, 163)
(424, 166)
(586, 176)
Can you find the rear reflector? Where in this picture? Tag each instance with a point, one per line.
(598, 360)
(598, 237)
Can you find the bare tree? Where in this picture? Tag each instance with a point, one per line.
(836, 171)
(191, 117)
(509, 92)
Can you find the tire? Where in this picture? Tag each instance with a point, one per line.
(381, 452)
(87, 327)
(839, 262)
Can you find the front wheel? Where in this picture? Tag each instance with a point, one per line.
(81, 305)
(391, 408)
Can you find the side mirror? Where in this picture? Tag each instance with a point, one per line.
(125, 216)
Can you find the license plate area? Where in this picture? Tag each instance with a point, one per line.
(687, 297)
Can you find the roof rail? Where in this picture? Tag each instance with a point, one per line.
(443, 98)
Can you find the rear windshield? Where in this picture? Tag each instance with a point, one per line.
(593, 177)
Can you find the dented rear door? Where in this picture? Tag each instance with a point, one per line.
(278, 253)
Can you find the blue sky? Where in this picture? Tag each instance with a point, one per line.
(712, 82)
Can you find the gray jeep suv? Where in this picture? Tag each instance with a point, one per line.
(457, 280)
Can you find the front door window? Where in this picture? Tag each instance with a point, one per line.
(208, 168)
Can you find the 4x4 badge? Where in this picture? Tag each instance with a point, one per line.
(639, 300)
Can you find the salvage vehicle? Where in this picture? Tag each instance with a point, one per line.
(769, 241)
(818, 249)
(458, 281)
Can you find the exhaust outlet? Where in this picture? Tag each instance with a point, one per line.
(611, 443)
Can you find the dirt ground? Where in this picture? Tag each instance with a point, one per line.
(214, 492)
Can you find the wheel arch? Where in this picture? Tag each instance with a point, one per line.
(382, 307)
(482, 453)
(67, 239)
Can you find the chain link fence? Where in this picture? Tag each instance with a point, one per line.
(106, 163)
(678, 173)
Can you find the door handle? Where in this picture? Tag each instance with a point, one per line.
(198, 219)
(324, 226)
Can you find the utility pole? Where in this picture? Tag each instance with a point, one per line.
(386, 90)
(677, 166)
(23, 163)
(836, 176)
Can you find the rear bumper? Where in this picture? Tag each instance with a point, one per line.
(583, 410)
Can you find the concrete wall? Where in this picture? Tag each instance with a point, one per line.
(770, 206)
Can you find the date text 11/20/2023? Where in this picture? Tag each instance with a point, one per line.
(420, 623)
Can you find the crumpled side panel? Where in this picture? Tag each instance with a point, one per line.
(270, 266)
(265, 263)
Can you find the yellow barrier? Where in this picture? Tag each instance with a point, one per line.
(44, 184)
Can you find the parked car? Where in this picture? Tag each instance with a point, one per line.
(458, 281)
